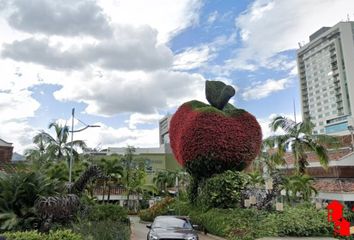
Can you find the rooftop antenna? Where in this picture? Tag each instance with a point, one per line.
(300, 45)
(348, 17)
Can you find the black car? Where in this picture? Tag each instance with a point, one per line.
(171, 227)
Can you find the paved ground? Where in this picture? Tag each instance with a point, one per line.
(139, 231)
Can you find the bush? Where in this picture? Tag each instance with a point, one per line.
(301, 221)
(105, 229)
(33, 235)
(248, 224)
(18, 193)
(112, 212)
(160, 208)
(222, 190)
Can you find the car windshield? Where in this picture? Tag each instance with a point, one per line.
(171, 222)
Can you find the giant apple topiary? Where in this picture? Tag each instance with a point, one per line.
(209, 139)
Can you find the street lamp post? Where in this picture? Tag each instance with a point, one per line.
(72, 140)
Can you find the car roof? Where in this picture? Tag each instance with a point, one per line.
(180, 217)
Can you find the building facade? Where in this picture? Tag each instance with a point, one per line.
(164, 125)
(6, 150)
(326, 72)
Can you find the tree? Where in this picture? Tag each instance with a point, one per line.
(113, 170)
(164, 179)
(300, 139)
(57, 146)
(128, 160)
(298, 186)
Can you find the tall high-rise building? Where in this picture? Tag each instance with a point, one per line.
(326, 71)
(164, 125)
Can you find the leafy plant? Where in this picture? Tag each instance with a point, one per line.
(33, 235)
(160, 208)
(299, 138)
(18, 193)
(106, 229)
(222, 190)
(112, 212)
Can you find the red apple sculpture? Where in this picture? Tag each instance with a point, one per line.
(209, 139)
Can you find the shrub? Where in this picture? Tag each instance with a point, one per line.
(222, 190)
(112, 212)
(18, 193)
(106, 229)
(248, 224)
(300, 221)
(160, 208)
(33, 235)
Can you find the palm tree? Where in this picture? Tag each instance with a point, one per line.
(300, 139)
(113, 170)
(128, 160)
(299, 186)
(164, 179)
(58, 146)
(267, 159)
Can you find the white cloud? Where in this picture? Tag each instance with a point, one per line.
(130, 48)
(62, 17)
(15, 108)
(18, 132)
(212, 17)
(192, 58)
(118, 92)
(17, 105)
(168, 17)
(107, 136)
(264, 89)
(199, 56)
(270, 27)
(136, 119)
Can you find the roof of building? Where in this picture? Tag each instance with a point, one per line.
(334, 185)
(334, 155)
(4, 143)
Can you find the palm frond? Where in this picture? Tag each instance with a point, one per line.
(282, 122)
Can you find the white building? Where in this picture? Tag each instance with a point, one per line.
(326, 71)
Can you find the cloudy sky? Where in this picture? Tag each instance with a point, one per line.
(124, 64)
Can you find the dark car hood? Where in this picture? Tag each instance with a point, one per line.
(173, 232)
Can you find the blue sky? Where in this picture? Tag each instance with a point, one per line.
(125, 64)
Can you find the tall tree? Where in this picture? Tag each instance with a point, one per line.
(299, 138)
(57, 146)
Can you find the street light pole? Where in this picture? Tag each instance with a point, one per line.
(72, 139)
(72, 142)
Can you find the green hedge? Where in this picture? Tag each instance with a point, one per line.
(105, 229)
(104, 221)
(247, 224)
(222, 190)
(112, 212)
(33, 235)
(301, 221)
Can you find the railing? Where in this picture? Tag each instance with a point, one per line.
(100, 190)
